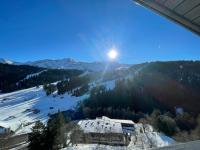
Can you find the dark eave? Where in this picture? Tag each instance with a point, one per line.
(184, 12)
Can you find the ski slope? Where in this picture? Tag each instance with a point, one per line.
(30, 76)
(19, 110)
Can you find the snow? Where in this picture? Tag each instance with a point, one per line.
(68, 63)
(166, 139)
(105, 125)
(152, 139)
(94, 147)
(31, 75)
(100, 125)
(34, 74)
(84, 74)
(19, 110)
(4, 61)
(123, 121)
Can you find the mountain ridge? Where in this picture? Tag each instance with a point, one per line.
(69, 63)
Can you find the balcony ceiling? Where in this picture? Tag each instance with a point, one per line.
(184, 12)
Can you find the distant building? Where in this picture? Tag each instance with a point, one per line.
(6, 127)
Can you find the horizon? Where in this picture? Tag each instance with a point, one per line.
(86, 31)
(103, 61)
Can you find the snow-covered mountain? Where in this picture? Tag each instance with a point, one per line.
(68, 63)
(4, 61)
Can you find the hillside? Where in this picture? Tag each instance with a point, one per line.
(68, 63)
(174, 84)
(132, 93)
(16, 77)
(142, 88)
(165, 85)
(19, 110)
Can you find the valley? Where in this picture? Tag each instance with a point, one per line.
(132, 93)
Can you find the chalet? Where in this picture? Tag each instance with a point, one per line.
(107, 125)
(104, 130)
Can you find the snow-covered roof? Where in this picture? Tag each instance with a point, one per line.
(103, 125)
(100, 126)
(118, 120)
(4, 125)
(11, 126)
(123, 121)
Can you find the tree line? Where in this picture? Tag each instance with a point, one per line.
(76, 86)
(58, 133)
(12, 77)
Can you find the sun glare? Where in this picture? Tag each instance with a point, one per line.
(112, 54)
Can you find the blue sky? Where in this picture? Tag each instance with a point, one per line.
(86, 29)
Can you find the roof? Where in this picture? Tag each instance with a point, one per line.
(117, 120)
(100, 126)
(103, 125)
(184, 12)
(11, 126)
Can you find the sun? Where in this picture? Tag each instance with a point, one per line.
(112, 54)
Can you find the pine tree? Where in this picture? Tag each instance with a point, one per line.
(36, 137)
(57, 131)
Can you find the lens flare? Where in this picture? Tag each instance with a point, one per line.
(112, 54)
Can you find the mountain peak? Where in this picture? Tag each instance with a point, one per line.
(69, 63)
(70, 60)
(4, 61)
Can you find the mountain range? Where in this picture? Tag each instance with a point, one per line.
(68, 63)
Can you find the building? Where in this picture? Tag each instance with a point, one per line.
(106, 131)
(107, 125)
(8, 127)
(4, 128)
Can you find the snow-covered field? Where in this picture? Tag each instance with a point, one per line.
(19, 110)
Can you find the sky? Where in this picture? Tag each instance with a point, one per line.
(86, 30)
